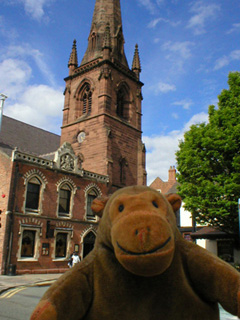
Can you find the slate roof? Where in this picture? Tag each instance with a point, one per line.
(26, 138)
(209, 233)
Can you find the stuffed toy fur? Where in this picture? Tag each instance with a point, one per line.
(142, 269)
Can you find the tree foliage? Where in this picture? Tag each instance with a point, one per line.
(209, 163)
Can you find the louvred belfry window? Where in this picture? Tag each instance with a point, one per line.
(87, 100)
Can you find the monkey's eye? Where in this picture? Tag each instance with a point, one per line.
(121, 208)
(155, 204)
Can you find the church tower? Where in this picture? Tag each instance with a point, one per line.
(102, 109)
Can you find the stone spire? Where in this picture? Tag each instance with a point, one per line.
(136, 66)
(106, 12)
(73, 60)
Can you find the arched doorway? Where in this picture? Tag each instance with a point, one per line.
(88, 243)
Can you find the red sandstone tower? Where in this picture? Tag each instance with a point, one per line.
(102, 109)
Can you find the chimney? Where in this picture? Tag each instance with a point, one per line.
(172, 174)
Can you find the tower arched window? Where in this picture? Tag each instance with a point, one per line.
(123, 165)
(123, 103)
(87, 100)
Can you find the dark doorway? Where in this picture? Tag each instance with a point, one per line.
(88, 243)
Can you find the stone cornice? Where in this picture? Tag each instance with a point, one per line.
(98, 63)
(55, 165)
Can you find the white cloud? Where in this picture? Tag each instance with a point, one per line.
(202, 13)
(162, 87)
(161, 149)
(35, 8)
(16, 75)
(155, 22)
(151, 5)
(148, 4)
(226, 60)
(185, 104)
(181, 49)
(178, 53)
(175, 115)
(235, 28)
(26, 51)
(39, 105)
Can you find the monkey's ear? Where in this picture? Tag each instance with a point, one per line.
(175, 200)
(98, 205)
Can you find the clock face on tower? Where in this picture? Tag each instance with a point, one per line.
(81, 136)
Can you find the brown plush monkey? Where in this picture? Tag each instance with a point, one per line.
(142, 269)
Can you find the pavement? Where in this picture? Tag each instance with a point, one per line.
(28, 280)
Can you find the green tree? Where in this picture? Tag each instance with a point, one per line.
(209, 163)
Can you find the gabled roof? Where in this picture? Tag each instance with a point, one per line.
(166, 187)
(27, 138)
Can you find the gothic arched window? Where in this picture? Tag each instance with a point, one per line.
(123, 103)
(123, 164)
(91, 195)
(87, 100)
(64, 200)
(33, 194)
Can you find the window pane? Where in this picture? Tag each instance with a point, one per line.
(64, 201)
(61, 245)
(32, 200)
(90, 214)
(28, 243)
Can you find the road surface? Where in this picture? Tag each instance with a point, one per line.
(18, 303)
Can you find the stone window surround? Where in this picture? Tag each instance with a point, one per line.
(69, 233)
(38, 234)
(84, 234)
(73, 189)
(87, 190)
(27, 178)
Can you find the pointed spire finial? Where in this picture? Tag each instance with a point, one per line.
(73, 60)
(136, 65)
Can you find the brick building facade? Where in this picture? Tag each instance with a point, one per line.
(48, 181)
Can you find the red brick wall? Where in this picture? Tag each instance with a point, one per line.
(5, 178)
(49, 213)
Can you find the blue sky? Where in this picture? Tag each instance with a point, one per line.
(187, 49)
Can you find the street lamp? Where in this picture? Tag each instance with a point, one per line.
(3, 97)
